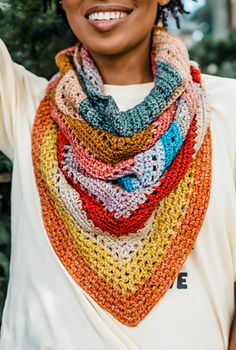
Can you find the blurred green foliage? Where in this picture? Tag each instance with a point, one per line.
(5, 164)
(4, 239)
(217, 57)
(5, 167)
(33, 38)
(32, 35)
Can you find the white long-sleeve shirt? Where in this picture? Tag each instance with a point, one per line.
(45, 308)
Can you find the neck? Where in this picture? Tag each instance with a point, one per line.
(130, 67)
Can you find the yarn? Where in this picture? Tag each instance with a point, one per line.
(124, 194)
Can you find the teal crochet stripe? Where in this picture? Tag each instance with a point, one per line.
(103, 113)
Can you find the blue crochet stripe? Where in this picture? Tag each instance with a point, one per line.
(102, 112)
(127, 183)
(172, 141)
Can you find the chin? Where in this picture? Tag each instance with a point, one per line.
(108, 47)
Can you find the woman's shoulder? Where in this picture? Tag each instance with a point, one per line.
(221, 96)
(221, 93)
(220, 87)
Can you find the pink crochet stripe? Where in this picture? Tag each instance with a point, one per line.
(95, 167)
(88, 162)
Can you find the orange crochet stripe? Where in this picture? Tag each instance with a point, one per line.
(123, 223)
(129, 308)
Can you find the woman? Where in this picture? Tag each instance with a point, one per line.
(123, 225)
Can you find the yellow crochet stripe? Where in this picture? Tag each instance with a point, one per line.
(64, 62)
(90, 252)
(126, 274)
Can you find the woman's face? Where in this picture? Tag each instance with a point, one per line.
(111, 27)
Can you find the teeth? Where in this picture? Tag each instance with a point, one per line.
(106, 16)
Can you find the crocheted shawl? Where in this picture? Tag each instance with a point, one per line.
(124, 193)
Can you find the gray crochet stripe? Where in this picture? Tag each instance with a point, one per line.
(102, 112)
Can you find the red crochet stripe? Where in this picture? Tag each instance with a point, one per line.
(123, 226)
(196, 75)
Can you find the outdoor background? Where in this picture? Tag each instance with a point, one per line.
(34, 37)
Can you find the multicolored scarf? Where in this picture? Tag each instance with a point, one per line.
(124, 193)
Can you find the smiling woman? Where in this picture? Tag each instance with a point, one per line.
(106, 35)
(174, 8)
(123, 218)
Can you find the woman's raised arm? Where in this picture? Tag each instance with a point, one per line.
(20, 90)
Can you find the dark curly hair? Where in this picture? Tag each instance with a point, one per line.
(174, 8)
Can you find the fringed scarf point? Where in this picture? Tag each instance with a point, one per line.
(124, 194)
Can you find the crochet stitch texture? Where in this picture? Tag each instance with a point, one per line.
(124, 194)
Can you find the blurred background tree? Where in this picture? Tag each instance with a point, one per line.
(33, 37)
(210, 33)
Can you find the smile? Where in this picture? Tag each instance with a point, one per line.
(107, 16)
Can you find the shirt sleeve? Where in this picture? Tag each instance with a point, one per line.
(16, 83)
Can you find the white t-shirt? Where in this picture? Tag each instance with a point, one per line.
(46, 310)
